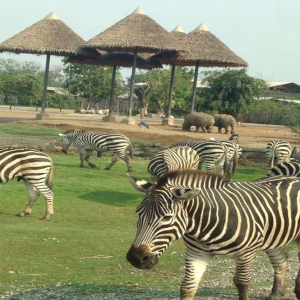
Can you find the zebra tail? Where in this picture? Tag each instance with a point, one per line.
(50, 178)
(225, 166)
(235, 161)
(130, 150)
(271, 161)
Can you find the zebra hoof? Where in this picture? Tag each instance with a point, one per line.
(44, 218)
(22, 214)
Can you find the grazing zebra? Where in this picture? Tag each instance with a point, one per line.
(211, 153)
(279, 149)
(285, 169)
(33, 167)
(173, 159)
(218, 217)
(87, 142)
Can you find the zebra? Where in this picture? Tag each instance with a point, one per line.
(285, 169)
(214, 216)
(173, 159)
(33, 167)
(234, 152)
(279, 149)
(87, 142)
(210, 152)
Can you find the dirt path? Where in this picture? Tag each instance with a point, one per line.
(251, 135)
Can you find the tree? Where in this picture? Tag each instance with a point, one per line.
(157, 93)
(230, 91)
(91, 82)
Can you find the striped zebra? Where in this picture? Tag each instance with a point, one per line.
(285, 169)
(35, 168)
(87, 142)
(211, 153)
(214, 217)
(173, 159)
(234, 151)
(279, 149)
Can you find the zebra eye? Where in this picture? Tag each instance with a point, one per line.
(167, 218)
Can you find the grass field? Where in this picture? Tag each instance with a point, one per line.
(85, 243)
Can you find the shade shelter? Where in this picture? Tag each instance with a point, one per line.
(49, 36)
(113, 59)
(204, 49)
(136, 33)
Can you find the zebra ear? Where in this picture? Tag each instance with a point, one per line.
(61, 134)
(186, 194)
(139, 184)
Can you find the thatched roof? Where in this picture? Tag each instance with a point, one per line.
(201, 45)
(136, 32)
(120, 59)
(48, 36)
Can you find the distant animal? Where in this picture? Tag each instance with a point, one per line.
(278, 149)
(173, 159)
(215, 217)
(87, 142)
(285, 169)
(143, 125)
(199, 120)
(224, 121)
(35, 168)
(211, 154)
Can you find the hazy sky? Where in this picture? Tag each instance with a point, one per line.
(265, 33)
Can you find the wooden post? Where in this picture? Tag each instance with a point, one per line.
(195, 85)
(132, 81)
(43, 114)
(171, 91)
(111, 118)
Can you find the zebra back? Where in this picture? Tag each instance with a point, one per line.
(285, 169)
(173, 159)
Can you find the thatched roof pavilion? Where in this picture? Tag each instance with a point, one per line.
(136, 33)
(113, 59)
(49, 36)
(204, 49)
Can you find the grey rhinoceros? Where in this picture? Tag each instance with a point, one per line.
(224, 121)
(199, 120)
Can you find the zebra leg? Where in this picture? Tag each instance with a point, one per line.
(127, 159)
(297, 281)
(113, 161)
(33, 195)
(278, 259)
(195, 268)
(220, 164)
(82, 159)
(87, 159)
(48, 195)
(242, 275)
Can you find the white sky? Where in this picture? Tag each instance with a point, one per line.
(265, 33)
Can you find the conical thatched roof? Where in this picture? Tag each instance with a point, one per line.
(48, 36)
(136, 32)
(201, 45)
(120, 59)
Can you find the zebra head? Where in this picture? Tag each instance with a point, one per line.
(162, 219)
(65, 142)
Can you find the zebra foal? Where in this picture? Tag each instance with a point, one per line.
(214, 217)
(87, 142)
(35, 168)
(173, 159)
(278, 149)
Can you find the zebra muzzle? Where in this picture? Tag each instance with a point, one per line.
(141, 257)
(64, 151)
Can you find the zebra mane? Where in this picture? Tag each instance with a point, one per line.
(74, 131)
(191, 179)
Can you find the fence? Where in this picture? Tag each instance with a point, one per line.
(270, 117)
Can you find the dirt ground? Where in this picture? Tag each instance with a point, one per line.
(251, 135)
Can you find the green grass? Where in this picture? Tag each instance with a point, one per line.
(85, 243)
(18, 129)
